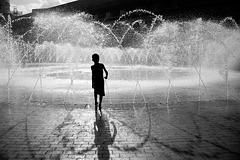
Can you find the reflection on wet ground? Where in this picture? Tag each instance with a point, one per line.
(125, 74)
(57, 128)
(186, 130)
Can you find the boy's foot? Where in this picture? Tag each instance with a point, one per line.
(100, 112)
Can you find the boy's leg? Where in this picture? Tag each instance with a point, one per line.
(95, 98)
(100, 102)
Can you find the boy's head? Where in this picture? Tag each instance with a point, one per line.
(95, 58)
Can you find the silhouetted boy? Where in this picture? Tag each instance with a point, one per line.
(97, 80)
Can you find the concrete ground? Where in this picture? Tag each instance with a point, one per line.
(152, 131)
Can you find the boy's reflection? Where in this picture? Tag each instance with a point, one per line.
(103, 136)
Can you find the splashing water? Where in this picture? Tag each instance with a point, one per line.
(46, 59)
(139, 54)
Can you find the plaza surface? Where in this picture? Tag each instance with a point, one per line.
(51, 124)
(187, 130)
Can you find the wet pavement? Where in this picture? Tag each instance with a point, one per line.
(181, 131)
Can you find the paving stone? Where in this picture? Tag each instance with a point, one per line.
(183, 133)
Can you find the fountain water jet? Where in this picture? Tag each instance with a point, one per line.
(169, 56)
(72, 39)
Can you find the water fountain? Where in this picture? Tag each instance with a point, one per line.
(58, 41)
(146, 61)
(71, 39)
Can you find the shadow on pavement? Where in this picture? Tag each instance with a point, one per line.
(103, 136)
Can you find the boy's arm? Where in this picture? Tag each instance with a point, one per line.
(106, 72)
